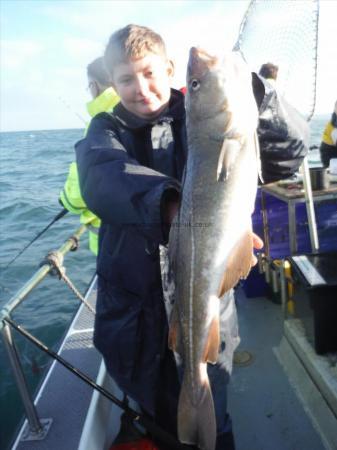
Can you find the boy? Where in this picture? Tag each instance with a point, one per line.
(130, 167)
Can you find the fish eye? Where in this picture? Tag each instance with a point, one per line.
(195, 84)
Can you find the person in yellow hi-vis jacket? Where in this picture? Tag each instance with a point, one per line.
(104, 100)
(328, 148)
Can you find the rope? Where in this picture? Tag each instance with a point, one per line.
(55, 260)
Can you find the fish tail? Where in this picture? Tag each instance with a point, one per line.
(196, 420)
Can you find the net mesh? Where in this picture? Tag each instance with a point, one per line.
(285, 33)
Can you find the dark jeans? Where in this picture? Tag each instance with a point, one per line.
(168, 395)
(219, 378)
(327, 152)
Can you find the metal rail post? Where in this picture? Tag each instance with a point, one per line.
(37, 430)
(283, 285)
(309, 202)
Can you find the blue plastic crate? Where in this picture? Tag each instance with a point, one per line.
(277, 215)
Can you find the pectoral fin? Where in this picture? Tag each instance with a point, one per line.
(239, 263)
(228, 154)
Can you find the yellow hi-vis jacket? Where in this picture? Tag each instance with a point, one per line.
(70, 196)
(327, 136)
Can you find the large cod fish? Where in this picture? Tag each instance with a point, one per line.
(211, 245)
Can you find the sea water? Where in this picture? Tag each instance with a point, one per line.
(33, 168)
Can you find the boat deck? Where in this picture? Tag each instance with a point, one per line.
(268, 410)
(63, 397)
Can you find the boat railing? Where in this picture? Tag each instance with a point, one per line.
(53, 264)
(277, 274)
(38, 428)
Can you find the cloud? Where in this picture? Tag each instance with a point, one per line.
(40, 64)
(40, 88)
(97, 18)
(15, 54)
(82, 48)
(215, 29)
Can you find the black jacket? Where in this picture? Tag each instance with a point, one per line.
(126, 165)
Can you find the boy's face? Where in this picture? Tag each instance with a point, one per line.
(144, 85)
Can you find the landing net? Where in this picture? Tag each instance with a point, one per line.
(285, 33)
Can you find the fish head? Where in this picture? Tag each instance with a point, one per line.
(202, 84)
(220, 88)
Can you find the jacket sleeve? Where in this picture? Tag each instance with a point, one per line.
(283, 133)
(70, 196)
(116, 187)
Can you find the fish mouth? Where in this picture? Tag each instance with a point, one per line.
(200, 62)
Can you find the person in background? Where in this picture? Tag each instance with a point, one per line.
(269, 71)
(104, 98)
(328, 147)
(131, 164)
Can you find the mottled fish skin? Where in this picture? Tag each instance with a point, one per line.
(210, 242)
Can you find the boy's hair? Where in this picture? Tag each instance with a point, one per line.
(132, 42)
(269, 70)
(97, 71)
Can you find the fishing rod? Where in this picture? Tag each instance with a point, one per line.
(58, 216)
(66, 104)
